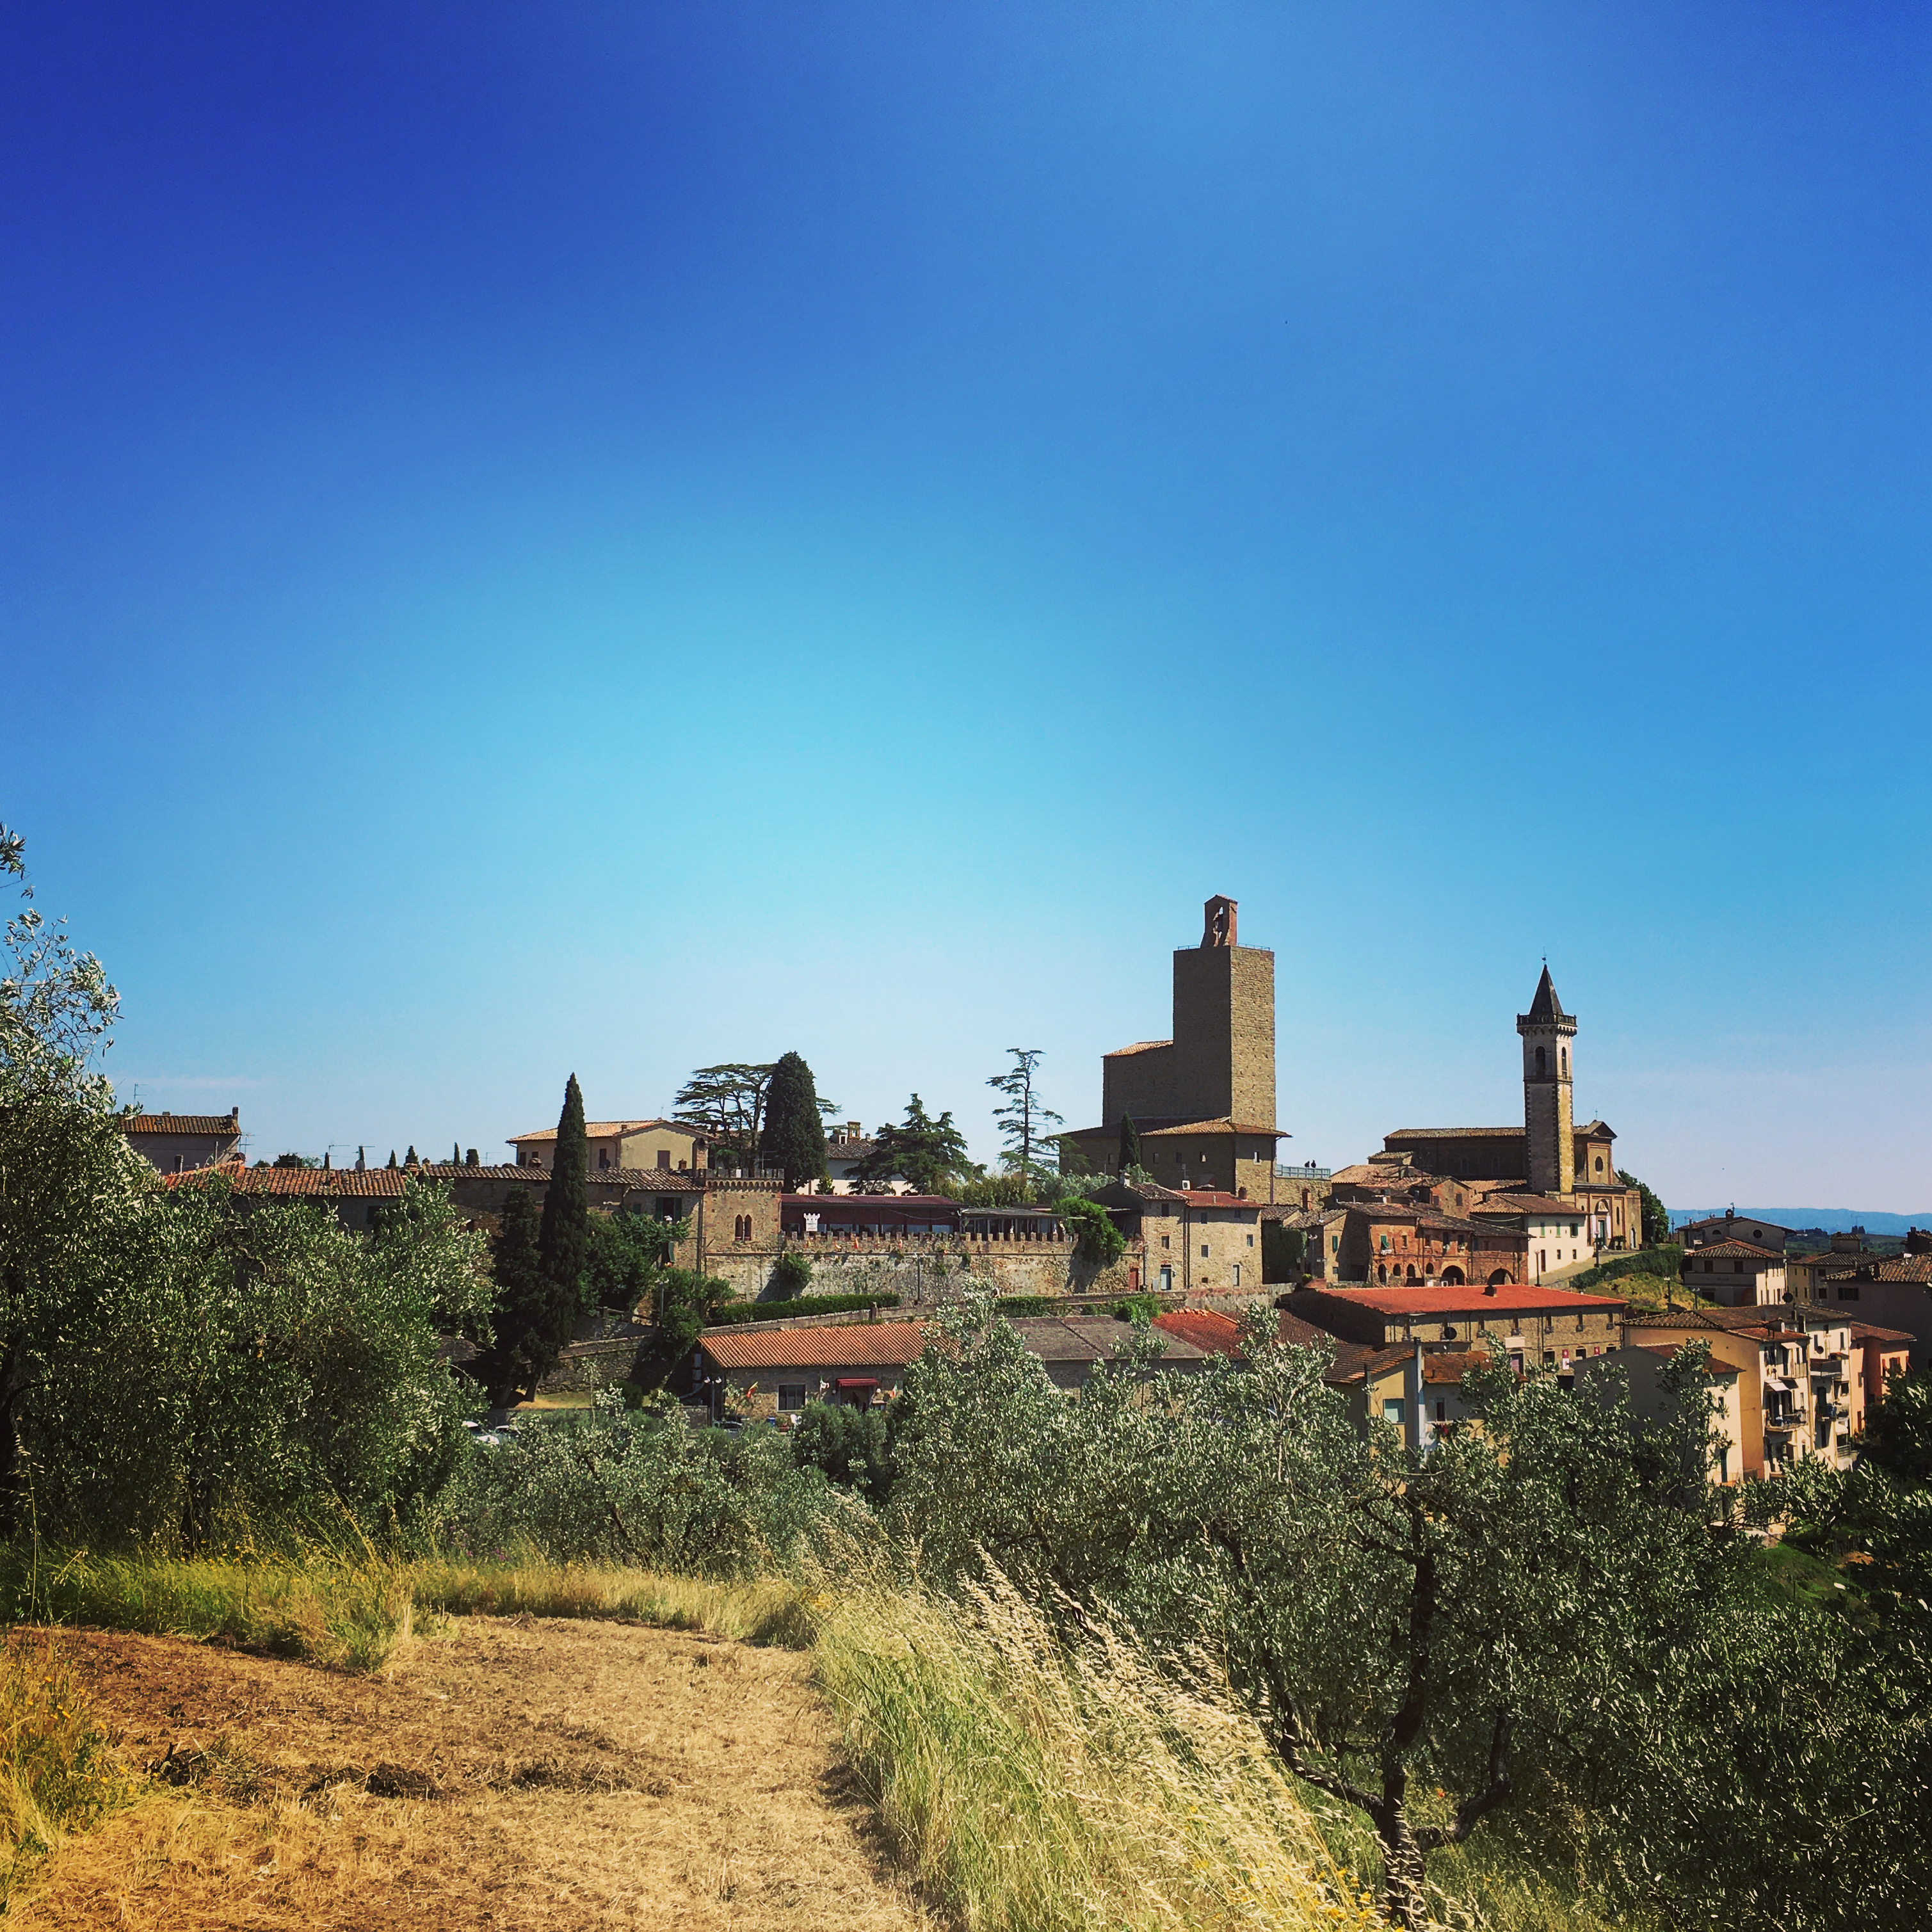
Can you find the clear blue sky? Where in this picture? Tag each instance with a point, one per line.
(616, 537)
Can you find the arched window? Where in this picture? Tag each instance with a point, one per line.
(1563, 1061)
(1539, 1059)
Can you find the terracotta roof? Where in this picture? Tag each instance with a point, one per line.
(1733, 1251)
(868, 1344)
(1530, 1204)
(1472, 1298)
(384, 1184)
(1055, 1338)
(1869, 1267)
(1456, 1133)
(1383, 1174)
(1868, 1331)
(180, 1123)
(1138, 1046)
(1217, 1334)
(604, 1129)
(1452, 1364)
(1669, 1351)
(450, 1170)
(1157, 1124)
(1356, 1361)
(1722, 1220)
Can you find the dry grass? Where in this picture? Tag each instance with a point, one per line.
(1034, 1789)
(519, 1773)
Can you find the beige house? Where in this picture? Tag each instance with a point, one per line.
(1191, 1240)
(1732, 1226)
(671, 1146)
(1893, 1291)
(760, 1372)
(178, 1143)
(1529, 1327)
(1644, 1364)
(1735, 1274)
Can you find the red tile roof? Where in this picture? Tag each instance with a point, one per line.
(1866, 1331)
(1138, 1046)
(605, 1130)
(867, 1344)
(181, 1124)
(1473, 1298)
(1218, 1334)
(383, 1183)
(1733, 1251)
(1455, 1134)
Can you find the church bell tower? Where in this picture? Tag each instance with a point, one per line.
(1547, 1031)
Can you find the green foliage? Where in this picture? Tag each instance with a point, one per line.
(1097, 1241)
(600, 1486)
(1283, 1251)
(1024, 1121)
(809, 1304)
(727, 1103)
(512, 1365)
(563, 1240)
(1664, 1263)
(1128, 1161)
(1401, 1622)
(848, 1444)
(930, 1154)
(791, 1274)
(688, 1304)
(793, 1138)
(1898, 1433)
(625, 1255)
(1653, 1217)
(265, 1363)
(993, 1190)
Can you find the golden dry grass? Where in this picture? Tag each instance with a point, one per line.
(517, 1773)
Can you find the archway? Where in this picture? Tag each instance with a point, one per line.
(1500, 1279)
(1381, 1273)
(1452, 1277)
(1411, 1277)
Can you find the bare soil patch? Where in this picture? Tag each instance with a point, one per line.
(517, 1773)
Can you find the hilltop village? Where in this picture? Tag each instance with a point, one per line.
(1444, 1247)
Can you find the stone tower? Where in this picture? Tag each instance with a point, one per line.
(1223, 1067)
(1547, 1031)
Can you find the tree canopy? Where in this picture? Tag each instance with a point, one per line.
(1023, 1119)
(929, 1153)
(792, 1140)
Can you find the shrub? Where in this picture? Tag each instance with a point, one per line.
(791, 1275)
(810, 1304)
(848, 1444)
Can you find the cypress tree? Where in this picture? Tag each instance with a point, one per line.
(563, 1244)
(456, 1153)
(410, 1158)
(511, 1367)
(794, 1137)
(392, 1156)
(1130, 1143)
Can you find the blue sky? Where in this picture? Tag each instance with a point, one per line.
(618, 538)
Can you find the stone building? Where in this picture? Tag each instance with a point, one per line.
(1736, 1274)
(1893, 1291)
(178, 1143)
(1203, 1101)
(1548, 1157)
(1186, 1240)
(623, 1146)
(1731, 1226)
(1527, 1327)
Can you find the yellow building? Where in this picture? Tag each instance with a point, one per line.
(670, 1145)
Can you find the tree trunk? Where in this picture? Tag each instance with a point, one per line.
(1402, 1897)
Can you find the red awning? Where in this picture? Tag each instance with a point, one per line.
(856, 1381)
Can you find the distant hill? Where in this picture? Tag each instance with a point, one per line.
(1833, 1220)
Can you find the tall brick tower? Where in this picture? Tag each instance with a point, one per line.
(1223, 1063)
(1547, 1031)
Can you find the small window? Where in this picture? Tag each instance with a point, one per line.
(1204, 1251)
(664, 1159)
(1237, 1274)
(1167, 1281)
(1441, 1412)
(603, 1157)
(1392, 1410)
(791, 1395)
(1167, 1241)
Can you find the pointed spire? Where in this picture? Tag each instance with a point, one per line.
(1546, 1006)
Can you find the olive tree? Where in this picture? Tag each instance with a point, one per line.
(1405, 1623)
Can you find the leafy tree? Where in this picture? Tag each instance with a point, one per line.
(1403, 1624)
(410, 1158)
(1129, 1161)
(849, 1444)
(686, 1300)
(1023, 1120)
(1097, 1241)
(793, 1138)
(791, 1273)
(1283, 1250)
(929, 1153)
(510, 1369)
(728, 1103)
(625, 1255)
(1654, 1218)
(1898, 1433)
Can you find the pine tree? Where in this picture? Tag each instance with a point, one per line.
(1130, 1144)
(564, 1242)
(510, 1367)
(392, 1156)
(410, 1158)
(456, 1153)
(1023, 1120)
(794, 1136)
(929, 1153)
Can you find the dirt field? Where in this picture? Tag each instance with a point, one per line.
(513, 1774)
